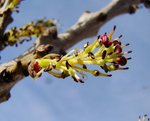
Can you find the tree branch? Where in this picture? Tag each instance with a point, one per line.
(89, 23)
(87, 26)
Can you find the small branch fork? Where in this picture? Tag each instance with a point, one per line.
(87, 26)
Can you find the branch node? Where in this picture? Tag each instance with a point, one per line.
(132, 9)
(102, 17)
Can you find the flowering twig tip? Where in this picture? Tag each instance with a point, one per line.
(103, 52)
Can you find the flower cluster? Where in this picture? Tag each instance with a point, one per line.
(103, 52)
(29, 30)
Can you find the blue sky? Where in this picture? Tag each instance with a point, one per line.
(123, 97)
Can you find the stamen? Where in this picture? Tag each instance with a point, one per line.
(127, 52)
(118, 49)
(105, 68)
(129, 58)
(67, 64)
(98, 37)
(114, 28)
(104, 54)
(120, 36)
(90, 54)
(86, 45)
(48, 68)
(84, 66)
(126, 68)
(76, 53)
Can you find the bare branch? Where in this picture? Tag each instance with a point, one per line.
(89, 23)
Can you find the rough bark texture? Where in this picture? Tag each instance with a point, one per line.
(87, 26)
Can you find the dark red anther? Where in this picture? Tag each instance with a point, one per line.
(116, 42)
(107, 45)
(118, 49)
(121, 60)
(105, 40)
(36, 67)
